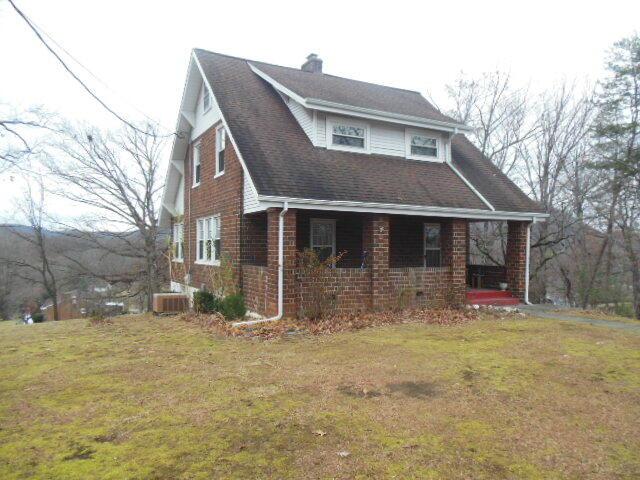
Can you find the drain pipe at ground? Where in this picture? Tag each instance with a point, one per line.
(283, 212)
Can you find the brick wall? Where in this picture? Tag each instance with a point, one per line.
(289, 259)
(421, 286)
(254, 239)
(456, 259)
(254, 286)
(222, 195)
(516, 258)
(348, 290)
(379, 261)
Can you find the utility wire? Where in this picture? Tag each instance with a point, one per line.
(86, 69)
(66, 67)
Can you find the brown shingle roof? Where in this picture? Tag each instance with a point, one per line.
(353, 92)
(283, 162)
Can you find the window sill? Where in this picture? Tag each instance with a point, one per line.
(425, 158)
(195, 185)
(219, 174)
(178, 260)
(213, 263)
(341, 148)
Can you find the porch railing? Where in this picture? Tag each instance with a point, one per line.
(486, 276)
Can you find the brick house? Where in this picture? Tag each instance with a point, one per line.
(272, 160)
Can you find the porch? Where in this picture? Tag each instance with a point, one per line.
(387, 261)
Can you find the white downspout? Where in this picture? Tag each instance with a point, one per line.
(526, 267)
(283, 212)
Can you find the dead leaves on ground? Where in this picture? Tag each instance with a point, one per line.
(333, 324)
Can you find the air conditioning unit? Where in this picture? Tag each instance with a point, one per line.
(170, 303)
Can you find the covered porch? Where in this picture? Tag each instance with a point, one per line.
(388, 261)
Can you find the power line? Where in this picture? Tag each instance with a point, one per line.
(76, 78)
(85, 68)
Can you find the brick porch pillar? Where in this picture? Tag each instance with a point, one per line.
(454, 253)
(376, 242)
(289, 259)
(516, 257)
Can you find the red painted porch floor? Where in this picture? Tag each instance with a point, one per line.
(484, 296)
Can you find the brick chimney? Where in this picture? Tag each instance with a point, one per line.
(313, 64)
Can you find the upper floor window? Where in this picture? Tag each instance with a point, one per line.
(197, 167)
(178, 242)
(432, 245)
(345, 134)
(206, 99)
(221, 142)
(422, 146)
(208, 240)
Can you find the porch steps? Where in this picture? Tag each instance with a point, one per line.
(481, 296)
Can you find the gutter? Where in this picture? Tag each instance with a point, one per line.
(267, 201)
(283, 212)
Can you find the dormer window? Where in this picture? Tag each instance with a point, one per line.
(206, 99)
(422, 145)
(346, 134)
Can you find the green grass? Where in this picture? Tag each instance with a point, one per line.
(156, 398)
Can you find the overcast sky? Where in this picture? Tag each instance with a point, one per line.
(139, 50)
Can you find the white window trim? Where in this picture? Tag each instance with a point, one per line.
(331, 121)
(424, 243)
(211, 262)
(219, 129)
(196, 146)
(205, 91)
(409, 132)
(330, 221)
(175, 258)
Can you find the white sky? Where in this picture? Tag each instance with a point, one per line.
(140, 49)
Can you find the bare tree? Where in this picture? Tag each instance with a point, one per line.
(499, 114)
(35, 264)
(18, 133)
(560, 147)
(116, 175)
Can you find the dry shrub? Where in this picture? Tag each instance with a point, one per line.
(317, 301)
(223, 280)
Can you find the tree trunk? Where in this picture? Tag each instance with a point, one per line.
(56, 315)
(605, 243)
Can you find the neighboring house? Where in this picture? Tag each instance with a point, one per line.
(271, 160)
(83, 303)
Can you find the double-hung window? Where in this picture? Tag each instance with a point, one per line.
(197, 167)
(423, 146)
(432, 245)
(221, 141)
(208, 240)
(323, 237)
(347, 134)
(206, 99)
(178, 242)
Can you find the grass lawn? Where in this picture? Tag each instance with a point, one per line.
(597, 315)
(158, 398)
